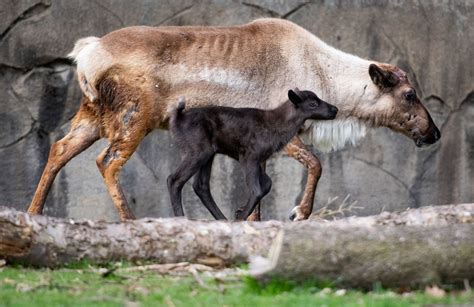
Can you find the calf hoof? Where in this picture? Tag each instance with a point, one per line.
(296, 214)
(239, 214)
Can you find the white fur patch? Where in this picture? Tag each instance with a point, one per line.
(92, 60)
(221, 76)
(81, 44)
(332, 135)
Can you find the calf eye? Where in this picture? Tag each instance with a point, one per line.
(313, 104)
(410, 95)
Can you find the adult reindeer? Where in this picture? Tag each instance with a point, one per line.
(132, 77)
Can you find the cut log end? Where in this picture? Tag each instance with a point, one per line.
(15, 239)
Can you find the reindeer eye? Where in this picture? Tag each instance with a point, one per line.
(410, 95)
(313, 104)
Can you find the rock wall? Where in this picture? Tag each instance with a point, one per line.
(432, 40)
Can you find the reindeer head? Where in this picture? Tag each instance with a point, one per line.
(403, 110)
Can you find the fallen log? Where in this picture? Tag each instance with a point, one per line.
(412, 248)
(45, 241)
(359, 256)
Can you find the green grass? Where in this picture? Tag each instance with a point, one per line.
(78, 286)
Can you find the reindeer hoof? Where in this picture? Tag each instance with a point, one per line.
(296, 214)
(34, 211)
(127, 217)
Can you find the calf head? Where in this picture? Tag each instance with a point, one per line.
(399, 107)
(311, 106)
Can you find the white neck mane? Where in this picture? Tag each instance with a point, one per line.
(342, 80)
(334, 135)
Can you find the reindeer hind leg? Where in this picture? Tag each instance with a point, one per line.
(85, 130)
(111, 160)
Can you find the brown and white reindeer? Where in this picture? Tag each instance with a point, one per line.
(132, 77)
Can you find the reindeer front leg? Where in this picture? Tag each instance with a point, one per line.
(298, 151)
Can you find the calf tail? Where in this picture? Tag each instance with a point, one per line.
(177, 113)
(180, 107)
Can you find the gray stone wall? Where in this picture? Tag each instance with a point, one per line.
(432, 40)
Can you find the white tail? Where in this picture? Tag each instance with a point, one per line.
(80, 45)
(92, 60)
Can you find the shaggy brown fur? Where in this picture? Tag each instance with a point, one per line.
(131, 77)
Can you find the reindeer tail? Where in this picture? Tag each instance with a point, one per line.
(92, 60)
(80, 45)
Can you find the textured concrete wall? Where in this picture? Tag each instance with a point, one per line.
(432, 40)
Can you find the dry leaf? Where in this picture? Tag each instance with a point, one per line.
(8, 281)
(23, 287)
(340, 292)
(435, 291)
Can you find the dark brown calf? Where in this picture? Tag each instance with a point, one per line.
(248, 135)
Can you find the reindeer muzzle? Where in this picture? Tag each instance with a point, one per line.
(430, 138)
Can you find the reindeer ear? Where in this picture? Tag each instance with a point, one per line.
(295, 97)
(382, 78)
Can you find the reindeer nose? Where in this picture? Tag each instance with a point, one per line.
(334, 109)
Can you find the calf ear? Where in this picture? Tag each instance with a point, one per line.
(381, 77)
(295, 97)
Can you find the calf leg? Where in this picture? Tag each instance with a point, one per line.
(189, 165)
(202, 189)
(265, 182)
(84, 132)
(298, 151)
(258, 186)
(256, 215)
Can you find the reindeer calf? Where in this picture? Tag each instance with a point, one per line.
(248, 135)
